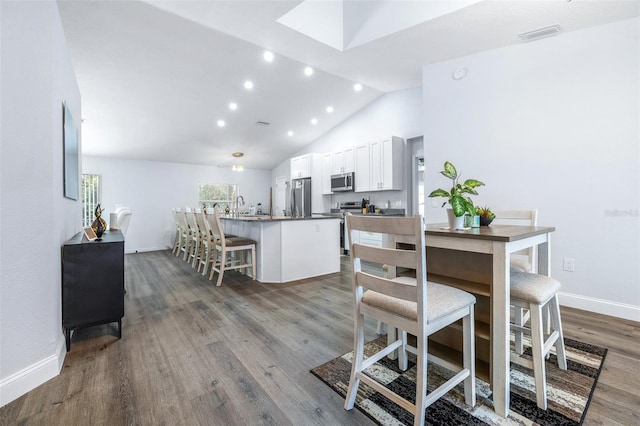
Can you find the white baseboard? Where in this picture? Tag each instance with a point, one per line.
(600, 306)
(16, 385)
(145, 249)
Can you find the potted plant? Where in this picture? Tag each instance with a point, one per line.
(458, 196)
(486, 215)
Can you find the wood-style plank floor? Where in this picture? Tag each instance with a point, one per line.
(192, 353)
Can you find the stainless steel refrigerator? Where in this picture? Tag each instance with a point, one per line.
(301, 197)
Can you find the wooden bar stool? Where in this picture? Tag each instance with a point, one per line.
(225, 245)
(535, 292)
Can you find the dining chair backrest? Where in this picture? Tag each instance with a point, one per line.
(216, 226)
(525, 260)
(199, 217)
(191, 221)
(182, 219)
(410, 228)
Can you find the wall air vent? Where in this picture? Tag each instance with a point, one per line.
(262, 123)
(540, 33)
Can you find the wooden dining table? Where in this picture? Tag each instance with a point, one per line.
(477, 260)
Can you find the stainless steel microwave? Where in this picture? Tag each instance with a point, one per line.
(342, 182)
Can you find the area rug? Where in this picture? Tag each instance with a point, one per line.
(568, 391)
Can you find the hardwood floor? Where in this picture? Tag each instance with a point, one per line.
(192, 353)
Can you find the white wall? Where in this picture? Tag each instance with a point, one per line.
(393, 114)
(35, 218)
(552, 124)
(153, 188)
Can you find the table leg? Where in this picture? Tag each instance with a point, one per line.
(500, 328)
(544, 257)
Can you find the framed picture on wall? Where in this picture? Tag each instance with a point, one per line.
(70, 158)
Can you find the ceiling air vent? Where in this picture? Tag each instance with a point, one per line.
(540, 33)
(262, 123)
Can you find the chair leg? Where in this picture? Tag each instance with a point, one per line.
(223, 261)
(537, 348)
(469, 362)
(253, 262)
(356, 364)
(518, 314)
(214, 260)
(403, 359)
(556, 323)
(421, 380)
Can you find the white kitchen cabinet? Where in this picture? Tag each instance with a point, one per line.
(362, 168)
(301, 166)
(344, 161)
(327, 171)
(378, 165)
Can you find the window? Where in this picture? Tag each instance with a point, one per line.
(91, 194)
(224, 194)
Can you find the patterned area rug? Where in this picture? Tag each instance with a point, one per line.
(568, 392)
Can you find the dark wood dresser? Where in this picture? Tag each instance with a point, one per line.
(92, 282)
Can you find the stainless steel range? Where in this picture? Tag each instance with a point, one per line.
(355, 207)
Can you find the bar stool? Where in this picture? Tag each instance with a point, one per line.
(535, 292)
(225, 245)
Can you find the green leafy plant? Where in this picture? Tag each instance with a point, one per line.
(485, 212)
(458, 195)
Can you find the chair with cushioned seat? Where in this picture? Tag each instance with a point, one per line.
(224, 246)
(535, 292)
(524, 260)
(412, 306)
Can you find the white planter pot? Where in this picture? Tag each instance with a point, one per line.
(455, 222)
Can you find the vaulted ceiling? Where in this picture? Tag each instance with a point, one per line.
(156, 77)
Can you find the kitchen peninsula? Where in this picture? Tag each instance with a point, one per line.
(289, 248)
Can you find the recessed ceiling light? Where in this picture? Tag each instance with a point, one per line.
(248, 84)
(357, 87)
(290, 133)
(233, 106)
(308, 70)
(221, 123)
(268, 56)
(329, 109)
(237, 154)
(314, 121)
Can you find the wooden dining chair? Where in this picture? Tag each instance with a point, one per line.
(412, 305)
(184, 233)
(178, 235)
(193, 239)
(535, 292)
(521, 261)
(226, 246)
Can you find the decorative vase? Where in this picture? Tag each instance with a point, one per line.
(485, 221)
(455, 222)
(99, 225)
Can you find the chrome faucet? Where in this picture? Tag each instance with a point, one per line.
(239, 199)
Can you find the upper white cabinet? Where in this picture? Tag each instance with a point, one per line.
(362, 168)
(301, 166)
(344, 161)
(384, 169)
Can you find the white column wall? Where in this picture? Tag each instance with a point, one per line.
(35, 218)
(554, 125)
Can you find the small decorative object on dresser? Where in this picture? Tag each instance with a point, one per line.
(99, 225)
